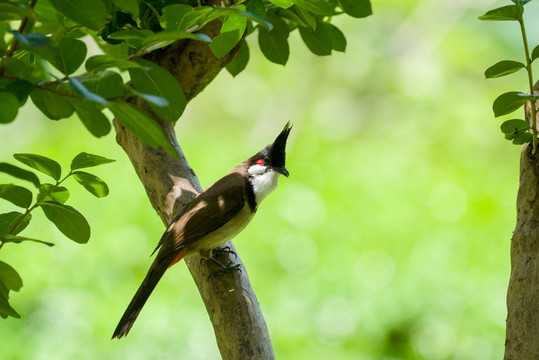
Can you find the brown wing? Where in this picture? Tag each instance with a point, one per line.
(210, 210)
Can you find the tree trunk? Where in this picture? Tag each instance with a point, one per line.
(522, 333)
(170, 184)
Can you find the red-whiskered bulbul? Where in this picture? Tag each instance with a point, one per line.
(212, 218)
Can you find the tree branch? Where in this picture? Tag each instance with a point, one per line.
(170, 184)
(522, 332)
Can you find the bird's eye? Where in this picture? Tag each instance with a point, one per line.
(260, 162)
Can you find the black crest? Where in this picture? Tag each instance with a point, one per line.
(277, 150)
(274, 154)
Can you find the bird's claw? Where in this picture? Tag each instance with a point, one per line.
(224, 268)
(228, 270)
(225, 250)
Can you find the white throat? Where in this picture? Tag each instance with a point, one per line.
(263, 182)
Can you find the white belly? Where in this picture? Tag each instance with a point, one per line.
(225, 233)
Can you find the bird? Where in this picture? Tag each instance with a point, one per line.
(213, 217)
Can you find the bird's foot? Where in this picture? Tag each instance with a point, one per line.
(225, 269)
(225, 251)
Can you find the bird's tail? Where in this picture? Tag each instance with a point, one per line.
(141, 296)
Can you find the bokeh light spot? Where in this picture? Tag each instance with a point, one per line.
(436, 341)
(375, 269)
(298, 253)
(336, 320)
(303, 207)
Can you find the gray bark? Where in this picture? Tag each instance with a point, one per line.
(522, 331)
(170, 184)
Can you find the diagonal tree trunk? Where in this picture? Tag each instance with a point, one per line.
(522, 333)
(170, 184)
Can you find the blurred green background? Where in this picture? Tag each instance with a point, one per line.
(390, 239)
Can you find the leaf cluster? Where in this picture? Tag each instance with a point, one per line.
(42, 52)
(44, 57)
(516, 130)
(51, 198)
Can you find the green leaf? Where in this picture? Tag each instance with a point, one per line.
(240, 61)
(48, 14)
(319, 41)
(16, 68)
(503, 68)
(509, 12)
(10, 219)
(339, 41)
(132, 37)
(35, 40)
(89, 13)
(523, 138)
(66, 54)
(173, 15)
(53, 105)
(279, 26)
(27, 68)
(17, 195)
(357, 8)
(70, 55)
(19, 173)
(21, 89)
(508, 102)
(50, 192)
(319, 7)
(181, 17)
(152, 79)
(153, 99)
(84, 92)
(142, 126)
(9, 280)
(129, 34)
(129, 6)
(256, 7)
(305, 17)
(41, 163)
(514, 127)
(85, 160)
(291, 16)
(273, 45)
(21, 10)
(197, 18)
(6, 309)
(92, 183)
(285, 4)
(19, 239)
(9, 277)
(231, 33)
(102, 62)
(253, 17)
(92, 117)
(511, 136)
(107, 84)
(535, 53)
(165, 38)
(10, 107)
(530, 97)
(68, 220)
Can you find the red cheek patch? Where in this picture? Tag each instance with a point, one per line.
(260, 162)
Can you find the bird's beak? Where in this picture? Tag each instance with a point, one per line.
(282, 170)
